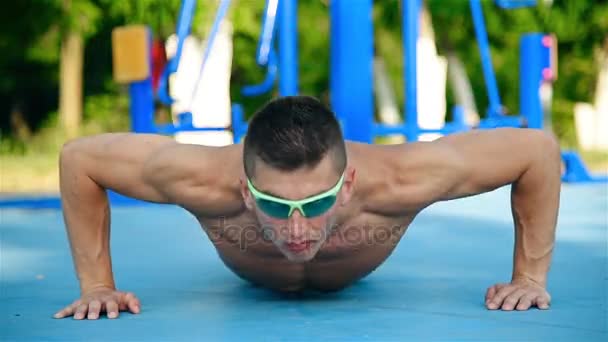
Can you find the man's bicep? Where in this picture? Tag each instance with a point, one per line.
(481, 161)
(202, 179)
(118, 162)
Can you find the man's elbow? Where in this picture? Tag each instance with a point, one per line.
(75, 157)
(549, 148)
(70, 152)
(85, 149)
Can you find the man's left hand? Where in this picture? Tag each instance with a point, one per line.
(519, 294)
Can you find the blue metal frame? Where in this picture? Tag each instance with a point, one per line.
(577, 172)
(183, 30)
(265, 43)
(411, 10)
(535, 58)
(142, 96)
(239, 125)
(142, 106)
(288, 47)
(219, 17)
(351, 67)
(511, 4)
(495, 106)
(351, 76)
(266, 55)
(268, 83)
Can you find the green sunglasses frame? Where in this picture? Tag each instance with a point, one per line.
(296, 204)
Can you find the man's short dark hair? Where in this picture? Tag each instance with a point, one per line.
(292, 132)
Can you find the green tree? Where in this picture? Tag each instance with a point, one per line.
(580, 27)
(79, 20)
(28, 86)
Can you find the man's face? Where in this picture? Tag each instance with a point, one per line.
(298, 237)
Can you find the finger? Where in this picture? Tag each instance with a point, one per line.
(512, 299)
(132, 302)
(498, 299)
(94, 308)
(67, 311)
(493, 290)
(490, 293)
(525, 302)
(81, 310)
(112, 309)
(542, 302)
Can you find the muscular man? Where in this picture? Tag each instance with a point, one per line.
(296, 207)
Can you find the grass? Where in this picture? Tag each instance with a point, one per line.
(597, 161)
(31, 166)
(30, 173)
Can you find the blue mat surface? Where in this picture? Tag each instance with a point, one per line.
(431, 288)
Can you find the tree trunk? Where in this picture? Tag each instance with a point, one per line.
(19, 124)
(70, 83)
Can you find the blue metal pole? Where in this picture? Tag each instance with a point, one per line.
(534, 57)
(219, 17)
(183, 30)
(288, 47)
(266, 53)
(336, 97)
(268, 29)
(351, 67)
(410, 13)
(142, 106)
(495, 108)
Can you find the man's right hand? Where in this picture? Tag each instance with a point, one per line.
(101, 300)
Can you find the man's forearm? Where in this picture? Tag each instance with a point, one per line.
(87, 218)
(535, 203)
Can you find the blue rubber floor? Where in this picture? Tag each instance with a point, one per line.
(431, 288)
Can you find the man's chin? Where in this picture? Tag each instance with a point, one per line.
(300, 257)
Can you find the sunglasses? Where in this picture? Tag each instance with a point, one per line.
(280, 208)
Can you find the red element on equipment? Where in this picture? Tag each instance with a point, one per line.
(547, 41)
(547, 74)
(159, 60)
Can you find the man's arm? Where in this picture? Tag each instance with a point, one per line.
(148, 167)
(479, 161)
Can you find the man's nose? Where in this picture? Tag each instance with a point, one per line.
(296, 226)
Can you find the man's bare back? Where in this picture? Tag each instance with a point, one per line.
(296, 207)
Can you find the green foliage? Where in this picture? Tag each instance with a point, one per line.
(81, 16)
(160, 15)
(313, 51)
(107, 112)
(580, 27)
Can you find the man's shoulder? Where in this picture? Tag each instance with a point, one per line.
(389, 177)
(193, 174)
(368, 153)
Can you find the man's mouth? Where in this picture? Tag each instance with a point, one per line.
(299, 247)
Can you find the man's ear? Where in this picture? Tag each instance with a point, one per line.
(348, 185)
(247, 197)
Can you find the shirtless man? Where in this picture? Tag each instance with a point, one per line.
(296, 207)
